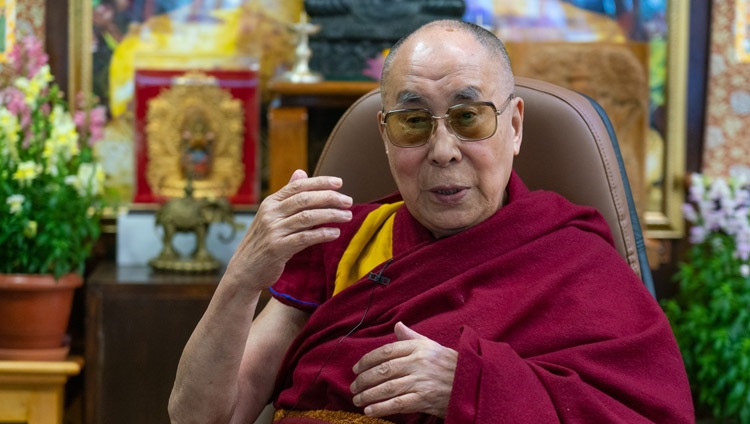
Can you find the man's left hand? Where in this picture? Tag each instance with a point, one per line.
(414, 374)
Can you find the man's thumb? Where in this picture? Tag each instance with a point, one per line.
(405, 333)
(298, 175)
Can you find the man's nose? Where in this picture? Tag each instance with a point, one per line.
(444, 145)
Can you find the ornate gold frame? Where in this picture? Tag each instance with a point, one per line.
(666, 222)
(224, 117)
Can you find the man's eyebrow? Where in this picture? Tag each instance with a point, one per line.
(467, 93)
(407, 96)
(411, 97)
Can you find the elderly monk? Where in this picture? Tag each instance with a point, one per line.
(463, 298)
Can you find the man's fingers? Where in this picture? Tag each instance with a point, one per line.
(379, 374)
(299, 182)
(383, 354)
(298, 175)
(391, 350)
(405, 404)
(311, 218)
(314, 199)
(392, 389)
(414, 374)
(405, 333)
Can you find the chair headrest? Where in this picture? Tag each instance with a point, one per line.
(568, 147)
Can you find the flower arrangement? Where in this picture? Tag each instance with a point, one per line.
(50, 181)
(710, 315)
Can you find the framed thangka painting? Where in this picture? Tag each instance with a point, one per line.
(146, 57)
(196, 129)
(7, 27)
(629, 56)
(19, 19)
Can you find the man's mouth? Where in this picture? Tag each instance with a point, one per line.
(446, 191)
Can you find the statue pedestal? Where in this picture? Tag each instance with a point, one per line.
(139, 239)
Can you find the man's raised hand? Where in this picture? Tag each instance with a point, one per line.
(287, 222)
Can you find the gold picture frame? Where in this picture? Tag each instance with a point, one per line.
(662, 222)
(79, 43)
(667, 221)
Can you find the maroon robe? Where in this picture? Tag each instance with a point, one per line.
(549, 322)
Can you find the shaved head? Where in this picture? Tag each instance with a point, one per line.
(486, 39)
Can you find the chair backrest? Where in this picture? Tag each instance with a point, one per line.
(568, 147)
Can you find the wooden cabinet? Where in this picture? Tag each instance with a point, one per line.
(137, 324)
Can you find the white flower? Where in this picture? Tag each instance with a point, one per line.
(15, 202)
(697, 234)
(90, 178)
(691, 215)
(697, 188)
(721, 206)
(719, 190)
(745, 270)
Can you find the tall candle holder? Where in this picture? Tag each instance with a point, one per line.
(301, 71)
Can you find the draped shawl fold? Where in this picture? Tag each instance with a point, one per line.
(550, 324)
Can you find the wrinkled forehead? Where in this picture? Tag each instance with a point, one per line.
(415, 90)
(455, 69)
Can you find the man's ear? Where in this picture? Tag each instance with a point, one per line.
(517, 124)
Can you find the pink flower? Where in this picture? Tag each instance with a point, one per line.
(14, 100)
(374, 67)
(28, 56)
(98, 118)
(91, 123)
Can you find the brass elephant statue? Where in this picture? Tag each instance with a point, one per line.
(189, 214)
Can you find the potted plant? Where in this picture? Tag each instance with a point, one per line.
(50, 204)
(710, 315)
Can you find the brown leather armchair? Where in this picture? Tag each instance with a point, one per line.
(568, 147)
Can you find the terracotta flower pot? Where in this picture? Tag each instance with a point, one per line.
(34, 313)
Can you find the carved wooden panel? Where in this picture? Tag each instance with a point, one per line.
(615, 75)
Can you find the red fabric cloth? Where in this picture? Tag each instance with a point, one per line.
(549, 322)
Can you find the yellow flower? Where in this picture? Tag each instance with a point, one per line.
(63, 140)
(15, 201)
(32, 88)
(26, 172)
(30, 230)
(44, 76)
(9, 128)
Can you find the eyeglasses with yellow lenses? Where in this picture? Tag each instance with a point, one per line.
(469, 122)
